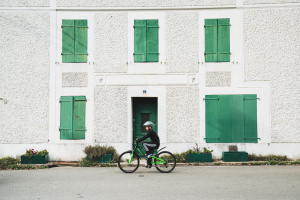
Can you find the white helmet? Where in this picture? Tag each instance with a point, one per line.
(149, 123)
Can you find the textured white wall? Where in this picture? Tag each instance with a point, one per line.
(218, 79)
(74, 79)
(24, 77)
(182, 42)
(182, 114)
(143, 3)
(111, 42)
(111, 114)
(24, 3)
(272, 46)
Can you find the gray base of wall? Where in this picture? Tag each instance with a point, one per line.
(74, 152)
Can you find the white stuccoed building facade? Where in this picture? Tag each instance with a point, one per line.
(264, 61)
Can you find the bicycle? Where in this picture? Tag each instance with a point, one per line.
(129, 161)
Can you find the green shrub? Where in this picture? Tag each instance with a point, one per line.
(87, 163)
(181, 157)
(198, 150)
(283, 163)
(253, 157)
(8, 161)
(98, 151)
(297, 162)
(259, 163)
(43, 167)
(27, 167)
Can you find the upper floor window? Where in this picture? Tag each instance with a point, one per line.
(74, 41)
(146, 48)
(217, 40)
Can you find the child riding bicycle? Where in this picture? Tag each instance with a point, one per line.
(149, 146)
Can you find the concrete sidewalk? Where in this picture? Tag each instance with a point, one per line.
(205, 182)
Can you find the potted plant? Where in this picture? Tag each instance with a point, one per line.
(101, 154)
(233, 155)
(35, 157)
(199, 155)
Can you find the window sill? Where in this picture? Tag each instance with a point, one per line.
(146, 68)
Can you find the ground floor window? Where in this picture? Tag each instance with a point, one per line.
(72, 117)
(231, 118)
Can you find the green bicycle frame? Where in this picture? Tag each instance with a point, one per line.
(158, 160)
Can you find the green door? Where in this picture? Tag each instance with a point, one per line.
(144, 109)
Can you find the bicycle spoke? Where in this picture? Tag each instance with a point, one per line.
(128, 162)
(165, 162)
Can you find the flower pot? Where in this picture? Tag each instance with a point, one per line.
(202, 157)
(36, 159)
(106, 158)
(239, 156)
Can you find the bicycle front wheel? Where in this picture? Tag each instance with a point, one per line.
(128, 162)
(165, 162)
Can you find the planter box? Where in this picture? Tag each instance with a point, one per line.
(203, 157)
(36, 159)
(106, 158)
(239, 156)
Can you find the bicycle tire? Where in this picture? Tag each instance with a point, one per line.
(169, 158)
(125, 167)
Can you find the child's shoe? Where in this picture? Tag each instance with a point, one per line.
(150, 155)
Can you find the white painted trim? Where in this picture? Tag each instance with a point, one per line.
(52, 77)
(89, 16)
(149, 79)
(75, 67)
(236, 17)
(152, 91)
(236, 67)
(134, 9)
(150, 67)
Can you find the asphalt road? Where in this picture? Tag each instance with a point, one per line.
(205, 182)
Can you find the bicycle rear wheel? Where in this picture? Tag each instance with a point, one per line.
(166, 162)
(128, 162)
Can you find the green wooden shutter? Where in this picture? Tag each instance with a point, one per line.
(212, 127)
(79, 118)
(223, 40)
(237, 118)
(81, 41)
(68, 46)
(225, 118)
(250, 118)
(66, 115)
(152, 41)
(140, 38)
(211, 47)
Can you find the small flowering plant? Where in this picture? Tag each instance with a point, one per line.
(31, 152)
(198, 150)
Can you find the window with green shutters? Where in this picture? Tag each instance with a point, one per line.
(74, 41)
(72, 117)
(146, 41)
(231, 118)
(217, 40)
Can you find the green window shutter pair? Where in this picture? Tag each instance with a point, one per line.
(146, 41)
(231, 118)
(74, 41)
(217, 40)
(72, 117)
